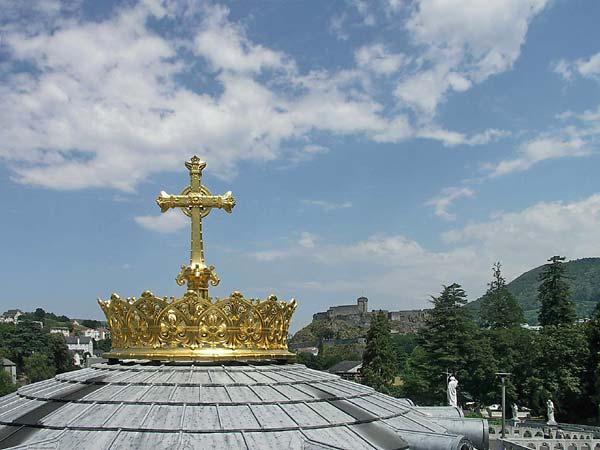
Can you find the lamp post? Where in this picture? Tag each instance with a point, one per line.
(503, 376)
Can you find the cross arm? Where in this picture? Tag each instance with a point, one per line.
(166, 201)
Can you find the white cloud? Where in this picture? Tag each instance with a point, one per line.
(589, 67)
(585, 67)
(446, 198)
(563, 68)
(365, 10)
(307, 240)
(465, 42)
(106, 107)
(307, 153)
(172, 220)
(452, 138)
(226, 46)
(336, 27)
(526, 238)
(378, 59)
(328, 205)
(398, 270)
(540, 149)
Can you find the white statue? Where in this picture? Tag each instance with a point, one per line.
(452, 397)
(77, 360)
(515, 413)
(550, 410)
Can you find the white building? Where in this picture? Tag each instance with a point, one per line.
(60, 330)
(97, 334)
(11, 316)
(81, 344)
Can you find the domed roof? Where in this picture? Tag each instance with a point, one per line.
(237, 406)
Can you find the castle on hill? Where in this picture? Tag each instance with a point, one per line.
(408, 321)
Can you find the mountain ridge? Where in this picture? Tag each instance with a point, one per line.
(583, 276)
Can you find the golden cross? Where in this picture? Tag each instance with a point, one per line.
(196, 202)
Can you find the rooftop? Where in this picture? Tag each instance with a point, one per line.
(245, 406)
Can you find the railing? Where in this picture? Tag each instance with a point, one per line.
(548, 444)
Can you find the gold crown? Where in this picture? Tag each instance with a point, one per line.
(194, 327)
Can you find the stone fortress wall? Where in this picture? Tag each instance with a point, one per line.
(408, 321)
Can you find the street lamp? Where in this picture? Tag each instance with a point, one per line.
(503, 376)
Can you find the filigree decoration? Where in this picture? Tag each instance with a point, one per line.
(194, 322)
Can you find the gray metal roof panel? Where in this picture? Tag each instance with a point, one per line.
(269, 394)
(237, 418)
(20, 408)
(303, 415)
(274, 440)
(159, 393)
(242, 394)
(86, 415)
(341, 437)
(214, 394)
(164, 417)
(291, 393)
(220, 377)
(201, 418)
(272, 416)
(186, 394)
(193, 441)
(330, 412)
(137, 440)
(128, 415)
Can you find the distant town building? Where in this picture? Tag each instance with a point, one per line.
(408, 321)
(80, 344)
(60, 330)
(312, 350)
(11, 316)
(348, 370)
(531, 327)
(97, 334)
(11, 368)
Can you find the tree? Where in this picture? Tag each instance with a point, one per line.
(104, 344)
(554, 294)
(6, 384)
(38, 367)
(592, 377)
(39, 314)
(26, 338)
(559, 363)
(378, 363)
(499, 308)
(90, 323)
(449, 341)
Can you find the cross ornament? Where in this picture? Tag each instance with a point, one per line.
(196, 202)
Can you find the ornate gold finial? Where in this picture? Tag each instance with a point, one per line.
(196, 202)
(194, 327)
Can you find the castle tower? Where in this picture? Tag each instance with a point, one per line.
(363, 305)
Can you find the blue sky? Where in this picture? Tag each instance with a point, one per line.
(379, 148)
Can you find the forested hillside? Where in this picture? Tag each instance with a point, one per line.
(584, 280)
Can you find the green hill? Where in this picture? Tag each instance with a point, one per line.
(584, 278)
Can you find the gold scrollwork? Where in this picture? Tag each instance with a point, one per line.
(150, 323)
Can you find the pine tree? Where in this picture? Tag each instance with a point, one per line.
(592, 377)
(449, 340)
(554, 294)
(499, 308)
(378, 364)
